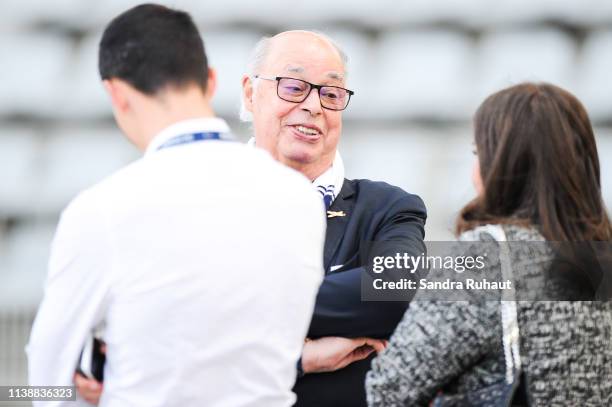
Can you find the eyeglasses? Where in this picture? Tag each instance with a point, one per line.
(296, 91)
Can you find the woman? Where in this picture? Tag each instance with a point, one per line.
(537, 176)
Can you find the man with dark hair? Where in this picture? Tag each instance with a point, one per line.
(183, 255)
(150, 47)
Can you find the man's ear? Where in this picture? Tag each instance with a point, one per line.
(211, 83)
(247, 93)
(118, 94)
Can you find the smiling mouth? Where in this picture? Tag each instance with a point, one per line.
(306, 133)
(306, 130)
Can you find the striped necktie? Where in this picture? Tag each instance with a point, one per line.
(327, 193)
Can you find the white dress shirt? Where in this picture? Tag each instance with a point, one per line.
(203, 260)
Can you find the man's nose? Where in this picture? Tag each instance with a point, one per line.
(312, 103)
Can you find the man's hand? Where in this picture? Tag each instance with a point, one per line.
(332, 353)
(89, 389)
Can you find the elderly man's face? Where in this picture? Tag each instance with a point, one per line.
(302, 135)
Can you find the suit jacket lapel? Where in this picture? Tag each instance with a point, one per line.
(336, 225)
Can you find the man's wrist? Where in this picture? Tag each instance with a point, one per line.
(303, 365)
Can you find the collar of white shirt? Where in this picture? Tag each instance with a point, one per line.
(213, 124)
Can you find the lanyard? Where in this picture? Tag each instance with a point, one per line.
(190, 138)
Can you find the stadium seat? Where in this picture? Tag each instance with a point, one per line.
(508, 57)
(423, 74)
(19, 178)
(593, 74)
(34, 76)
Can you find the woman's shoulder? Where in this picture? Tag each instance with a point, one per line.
(495, 232)
(530, 256)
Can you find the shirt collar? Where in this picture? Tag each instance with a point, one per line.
(333, 176)
(214, 124)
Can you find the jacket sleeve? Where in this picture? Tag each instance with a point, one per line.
(434, 343)
(339, 310)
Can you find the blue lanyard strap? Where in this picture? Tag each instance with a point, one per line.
(190, 138)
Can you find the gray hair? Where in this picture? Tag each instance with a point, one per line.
(260, 52)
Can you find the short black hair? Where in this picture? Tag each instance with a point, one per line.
(152, 46)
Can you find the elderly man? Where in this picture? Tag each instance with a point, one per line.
(295, 91)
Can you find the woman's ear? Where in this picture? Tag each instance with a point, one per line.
(476, 177)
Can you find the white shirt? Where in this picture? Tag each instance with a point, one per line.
(333, 176)
(203, 260)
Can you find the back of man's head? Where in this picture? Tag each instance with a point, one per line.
(152, 47)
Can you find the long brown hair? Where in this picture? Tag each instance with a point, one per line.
(539, 165)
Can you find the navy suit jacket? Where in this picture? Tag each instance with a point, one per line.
(394, 220)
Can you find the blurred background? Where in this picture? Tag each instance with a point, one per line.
(419, 69)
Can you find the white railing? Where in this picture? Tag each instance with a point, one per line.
(15, 325)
